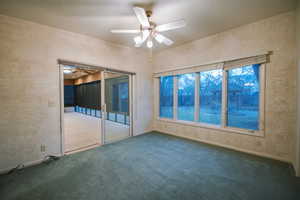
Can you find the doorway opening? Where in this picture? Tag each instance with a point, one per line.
(82, 103)
(95, 106)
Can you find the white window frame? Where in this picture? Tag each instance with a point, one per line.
(222, 126)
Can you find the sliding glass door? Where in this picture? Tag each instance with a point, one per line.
(116, 98)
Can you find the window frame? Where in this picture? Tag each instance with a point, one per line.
(222, 127)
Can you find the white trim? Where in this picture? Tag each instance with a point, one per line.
(262, 88)
(175, 97)
(103, 108)
(104, 105)
(83, 149)
(197, 97)
(134, 104)
(157, 97)
(265, 155)
(215, 127)
(27, 164)
(61, 101)
(224, 99)
(205, 66)
(130, 99)
(190, 70)
(245, 62)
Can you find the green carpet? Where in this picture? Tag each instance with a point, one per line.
(154, 166)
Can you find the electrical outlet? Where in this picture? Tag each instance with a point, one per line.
(43, 148)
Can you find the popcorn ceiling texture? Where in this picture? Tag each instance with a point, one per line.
(29, 85)
(275, 34)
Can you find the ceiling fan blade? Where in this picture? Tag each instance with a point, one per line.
(140, 40)
(146, 34)
(141, 15)
(125, 31)
(162, 39)
(171, 26)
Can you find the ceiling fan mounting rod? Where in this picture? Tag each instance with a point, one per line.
(148, 13)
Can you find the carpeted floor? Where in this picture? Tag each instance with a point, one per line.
(154, 166)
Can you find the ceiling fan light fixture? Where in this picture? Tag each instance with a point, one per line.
(67, 71)
(149, 44)
(137, 39)
(149, 30)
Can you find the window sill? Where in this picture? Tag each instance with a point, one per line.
(215, 127)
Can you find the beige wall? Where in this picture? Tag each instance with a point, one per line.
(297, 151)
(29, 85)
(275, 34)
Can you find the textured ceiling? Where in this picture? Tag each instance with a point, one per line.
(97, 17)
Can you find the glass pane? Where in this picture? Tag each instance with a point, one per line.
(69, 95)
(243, 97)
(166, 97)
(186, 97)
(210, 97)
(111, 116)
(98, 113)
(123, 91)
(117, 98)
(121, 118)
(116, 127)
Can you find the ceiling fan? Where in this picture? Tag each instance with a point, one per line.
(149, 30)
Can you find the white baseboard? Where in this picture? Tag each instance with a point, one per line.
(27, 164)
(231, 147)
(82, 149)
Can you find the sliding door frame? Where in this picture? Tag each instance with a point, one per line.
(60, 65)
(104, 107)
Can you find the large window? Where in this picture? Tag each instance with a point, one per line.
(166, 97)
(243, 97)
(228, 97)
(210, 97)
(186, 97)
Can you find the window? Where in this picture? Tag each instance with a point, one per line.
(166, 97)
(243, 97)
(186, 97)
(210, 97)
(228, 96)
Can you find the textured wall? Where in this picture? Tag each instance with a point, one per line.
(275, 34)
(29, 85)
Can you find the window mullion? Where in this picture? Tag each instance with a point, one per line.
(175, 97)
(157, 100)
(197, 99)
(262, 85)
(224, 98)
